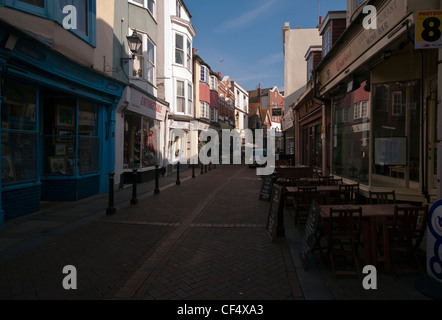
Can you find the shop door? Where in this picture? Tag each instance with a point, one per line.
(59, 135)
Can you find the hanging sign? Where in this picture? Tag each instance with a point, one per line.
(428, 29)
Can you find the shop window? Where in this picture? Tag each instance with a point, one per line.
(150, 143)
(351, 151)
(141, 142)
(396, 133)
(19, 135)
(37, 3)
(88, 140)
(68, 144)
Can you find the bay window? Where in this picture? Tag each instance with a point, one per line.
(179, 49)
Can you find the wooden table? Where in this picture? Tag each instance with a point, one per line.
(372, 215)
(293, 190)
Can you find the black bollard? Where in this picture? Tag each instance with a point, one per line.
(193, 171)
(157, 180)
(111, 210)
(210, 166)
(178, 182)
(202, 168)
(134, 200)
(205, 168)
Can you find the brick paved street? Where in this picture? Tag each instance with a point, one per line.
(202, 240)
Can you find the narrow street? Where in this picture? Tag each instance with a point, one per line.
(203, 240)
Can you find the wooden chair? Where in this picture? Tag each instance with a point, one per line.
(405, 234)
(380, 197)
(343, 238)
(303, 200)
(325, 180)
(335, 181)
(348, 193)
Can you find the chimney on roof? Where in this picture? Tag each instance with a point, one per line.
(320, 22)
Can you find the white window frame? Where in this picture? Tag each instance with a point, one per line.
(213, 114)
(145, 59)
(396, 104)
(151, 65)
(190, 99)
(189, 54)
(145, 4)
(204, 110)
(204, 74)
(360, 110)
(178, 9)
(182, 50)
(183, 97)
(214, 83)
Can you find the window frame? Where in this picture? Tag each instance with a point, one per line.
(394, 105)
(190, 98)
(145, 5)
(182, 50)
(52, 11)
(326, 41)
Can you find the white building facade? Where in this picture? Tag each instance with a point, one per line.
(175, 76)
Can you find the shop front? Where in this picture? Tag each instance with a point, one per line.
(140, 135)
(382, 105)
(56, 126)
(310, 125)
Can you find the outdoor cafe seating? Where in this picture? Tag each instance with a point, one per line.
(376, 242)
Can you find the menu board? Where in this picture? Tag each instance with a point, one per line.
(309, 239)
(272, 220)
(266, 189)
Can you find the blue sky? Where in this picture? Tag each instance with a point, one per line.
(243, 38)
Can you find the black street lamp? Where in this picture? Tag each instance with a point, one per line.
(134, 41)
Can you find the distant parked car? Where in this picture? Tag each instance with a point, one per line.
(257, 155)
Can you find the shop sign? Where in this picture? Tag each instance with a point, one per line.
(387, 18)
(428, 29)
(179, 125)
(361, 127)
(144, 105)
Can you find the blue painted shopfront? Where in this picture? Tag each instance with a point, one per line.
(57, 126)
